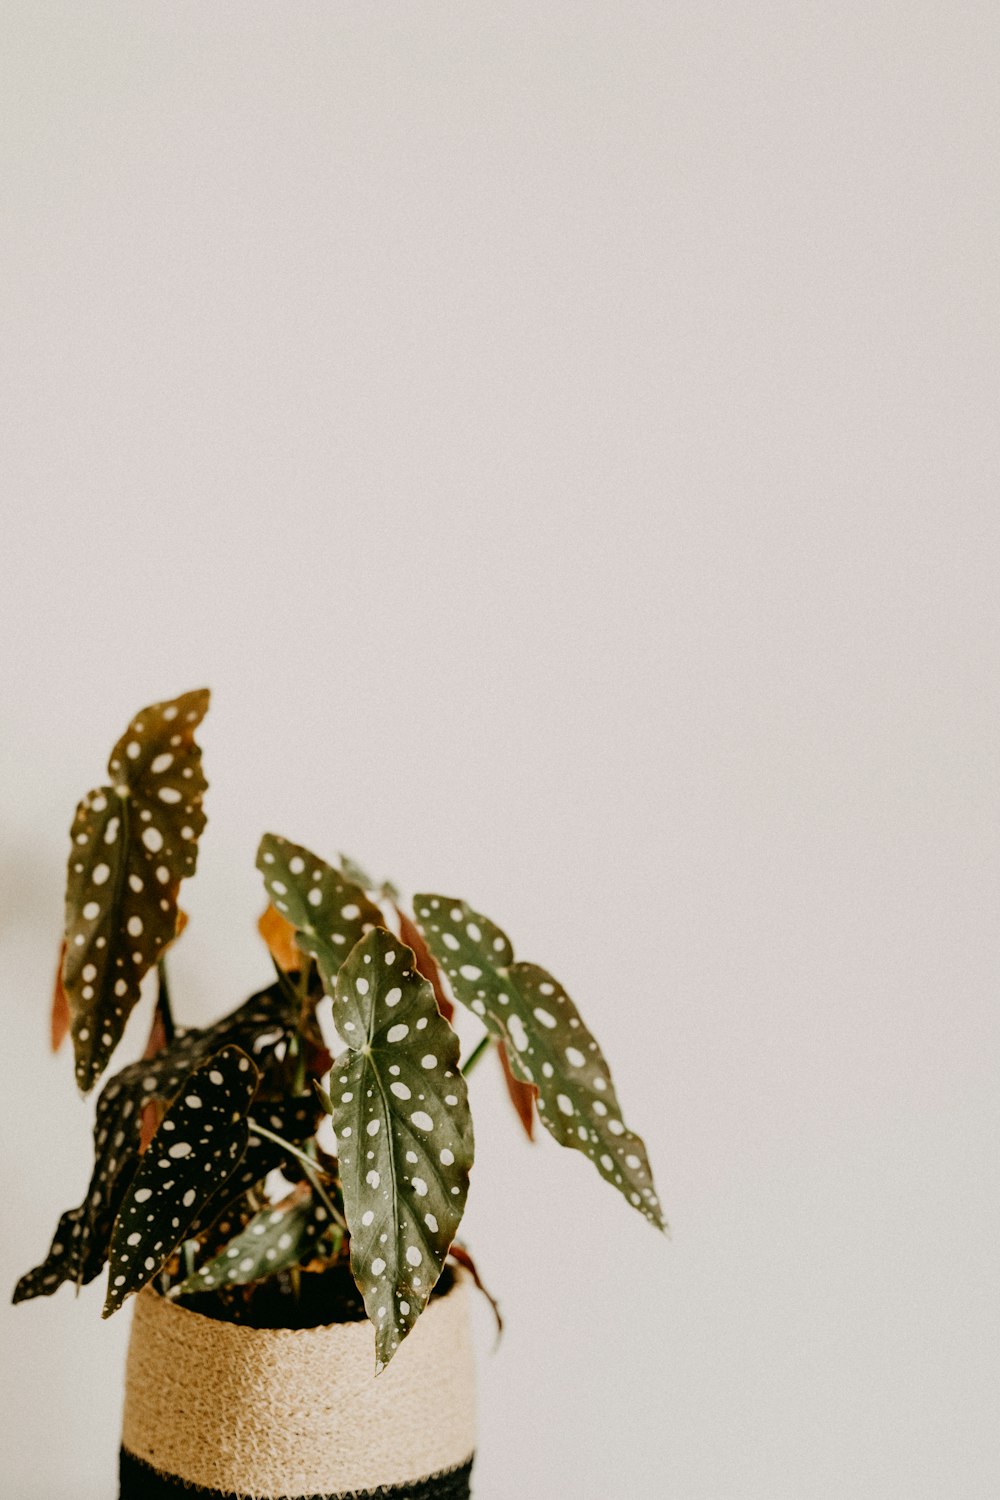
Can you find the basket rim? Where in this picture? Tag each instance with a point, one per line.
(151, 1296)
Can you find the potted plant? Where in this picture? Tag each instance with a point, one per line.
(285, 1202)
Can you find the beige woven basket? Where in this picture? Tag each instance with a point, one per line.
(264, 1413)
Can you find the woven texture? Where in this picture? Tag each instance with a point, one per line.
(140, 1482)
(261, 1413)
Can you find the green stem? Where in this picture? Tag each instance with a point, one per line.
(312, 1170)
(297, 1047)
(481, 1046)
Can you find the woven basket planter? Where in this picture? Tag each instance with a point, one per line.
(215, 1409)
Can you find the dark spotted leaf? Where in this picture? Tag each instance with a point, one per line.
(329, 912)
(198, 1146)
(80, 1244)
(134, 841)
(404, 1133)
(295, 1121)
(547, 1043)
(274, 1239)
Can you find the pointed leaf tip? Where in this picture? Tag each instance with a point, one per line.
(546, 1042)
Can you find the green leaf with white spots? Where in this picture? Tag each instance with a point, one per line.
(273, 1240)
(547, 1043)
(330, 913)
(200, 1143)
(404, 1133)
(133, 842)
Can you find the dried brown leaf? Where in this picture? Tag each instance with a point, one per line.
(522, 1095)
(459, 1253)
(59, 1017)
(411, 936)
(152, 1113)
(279, 935)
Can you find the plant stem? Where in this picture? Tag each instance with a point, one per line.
(312, 1170)
(163, 1000)
(481, 1046)
(297, 1049)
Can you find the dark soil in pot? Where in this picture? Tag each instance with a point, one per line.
(325, 1297)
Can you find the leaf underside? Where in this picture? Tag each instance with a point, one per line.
(410, 933)
(404, 1133)
(59, 1012)
(79, 1246)
(329, 912)
(198, 1146)
(133, 842)
(547, 1043)
(522, 1095)
(274, 1239)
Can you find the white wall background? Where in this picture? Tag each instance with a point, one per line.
(563, 435)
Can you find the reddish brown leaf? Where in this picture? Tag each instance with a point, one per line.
(152, 1113)
(318, 1060)
(157, 1036)
(425, 964)
(522, 1095)
(59, 1018)
(459, 1253)
(279, 935)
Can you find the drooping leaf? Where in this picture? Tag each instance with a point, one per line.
(80, 1244)
(521, 1095)
(134, 841)
(273, 1239)
(279, 935)
(199, 1144)
(329, 912)
(404, 1133)
(410, 933)
(547, 1043)
(59, 1014)
(461, 1255)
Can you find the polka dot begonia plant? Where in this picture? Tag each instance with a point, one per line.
(324, 1123)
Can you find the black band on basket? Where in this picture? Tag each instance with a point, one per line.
(140, 1481)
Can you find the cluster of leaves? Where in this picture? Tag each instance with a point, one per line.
(209, 1176)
